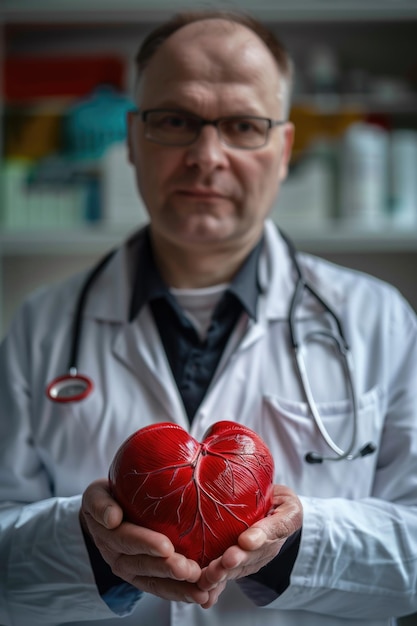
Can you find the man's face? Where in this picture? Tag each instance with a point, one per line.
(207, 195)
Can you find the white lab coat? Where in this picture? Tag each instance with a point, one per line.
(358, 554)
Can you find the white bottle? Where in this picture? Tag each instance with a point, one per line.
(364, 175)
(403, 161)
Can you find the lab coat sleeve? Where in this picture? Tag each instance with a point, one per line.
(359, 558)
(46, 574)
(43, 558)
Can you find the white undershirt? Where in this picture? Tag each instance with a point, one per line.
(199, 304)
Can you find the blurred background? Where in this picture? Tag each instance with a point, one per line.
(67, 195)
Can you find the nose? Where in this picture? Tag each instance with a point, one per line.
(207, 152)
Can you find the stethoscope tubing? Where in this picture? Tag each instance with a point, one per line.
(343, 348)
(76, 387)
(79, 310)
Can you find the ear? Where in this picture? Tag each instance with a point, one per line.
(131, 120)
(288, 140)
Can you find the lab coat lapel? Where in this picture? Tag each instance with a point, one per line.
(278, 276)
(109, 296)
(137, 345)
(274, 276)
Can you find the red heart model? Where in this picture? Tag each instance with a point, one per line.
(200, 495)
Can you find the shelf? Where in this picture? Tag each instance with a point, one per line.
(331, 237)
(321, 104)
(357, 32)
(96, 11)
(61, 243)
(354, 239)
(334, 104)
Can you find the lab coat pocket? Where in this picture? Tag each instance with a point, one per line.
(289, 429)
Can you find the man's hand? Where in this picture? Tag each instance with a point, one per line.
(257, 545)
(142, 557)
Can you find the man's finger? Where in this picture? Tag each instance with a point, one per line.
(286, 519)
(98, 504)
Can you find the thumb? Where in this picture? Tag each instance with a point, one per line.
(252, 539)
(98, 504)
(285, 518)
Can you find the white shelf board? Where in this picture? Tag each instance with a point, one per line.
(331, 237)
(56, 242)
(355, 240)
(334, 104)
(26, 11)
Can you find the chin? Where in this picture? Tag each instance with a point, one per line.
(205, 227)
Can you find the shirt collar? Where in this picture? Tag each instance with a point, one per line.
(149, 285)
(245, 285)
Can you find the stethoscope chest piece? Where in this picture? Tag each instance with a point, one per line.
(71, 387)
(74, 387)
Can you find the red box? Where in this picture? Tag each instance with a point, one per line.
(32, 78)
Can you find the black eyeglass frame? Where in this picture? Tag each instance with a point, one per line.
(205, 122)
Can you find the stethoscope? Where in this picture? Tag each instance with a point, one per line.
(74, 387)
(343, 349)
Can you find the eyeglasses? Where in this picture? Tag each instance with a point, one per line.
(177, 128)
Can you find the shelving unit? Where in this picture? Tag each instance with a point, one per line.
(358, 30)
(331, 239)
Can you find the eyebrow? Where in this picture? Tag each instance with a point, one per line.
(184, 109)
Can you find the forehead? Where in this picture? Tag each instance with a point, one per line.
(215, 61)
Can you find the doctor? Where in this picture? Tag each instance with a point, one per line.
(189, 321)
